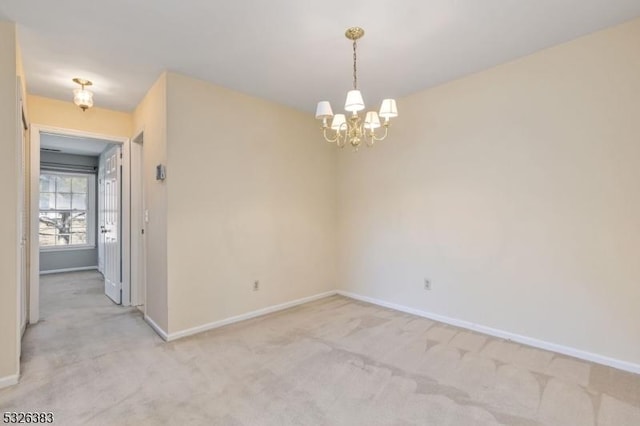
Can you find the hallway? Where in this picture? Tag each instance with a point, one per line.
(81, 336)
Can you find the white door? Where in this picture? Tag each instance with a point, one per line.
(110, 228)
(100, 236)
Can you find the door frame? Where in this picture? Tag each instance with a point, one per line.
(138, 237)
(22, 160)
(34, 186)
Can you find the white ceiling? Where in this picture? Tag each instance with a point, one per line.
(73, 145)
(289, 51)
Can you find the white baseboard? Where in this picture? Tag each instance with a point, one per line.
(248, 315)
(156, 328)
(58, 271)
(8, 381)
(540, 344)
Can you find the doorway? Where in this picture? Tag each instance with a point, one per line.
(119, 207)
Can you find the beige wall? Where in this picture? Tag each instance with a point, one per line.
(66, 115)
(251, 197)
(150, 117)
(515, 191)
(9, 178)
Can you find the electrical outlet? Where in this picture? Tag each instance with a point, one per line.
(427, 284)
(256, 285)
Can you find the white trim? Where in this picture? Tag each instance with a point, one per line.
(125, 259)
(248, 315)
(8, 381)
(21, 239)
(75, 247)
(156, 328)
(34, 233)
(138, 239)
(541, 344)
(80, 268)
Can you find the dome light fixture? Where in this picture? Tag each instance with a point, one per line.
(83, 97)
(351, 127)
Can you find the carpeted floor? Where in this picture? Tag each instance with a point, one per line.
(331, 362)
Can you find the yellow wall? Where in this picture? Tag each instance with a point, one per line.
(20, 73)
(56, 113)
(9, 178)
(515, 191)
(150, 117)
(251, 189)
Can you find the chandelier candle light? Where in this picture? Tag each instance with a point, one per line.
(352, 128)
(83, 97)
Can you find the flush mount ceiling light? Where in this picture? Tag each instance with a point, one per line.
(352, 128)
(83, 97)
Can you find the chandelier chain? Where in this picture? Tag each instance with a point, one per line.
(355, 68)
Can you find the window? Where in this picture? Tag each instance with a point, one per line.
(67, 210)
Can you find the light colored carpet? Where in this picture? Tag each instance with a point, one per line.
(331, 362)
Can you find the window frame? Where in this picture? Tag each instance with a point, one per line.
(91, 212)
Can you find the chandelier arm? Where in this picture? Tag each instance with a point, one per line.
(342, 135)
(329, 139)
(371, 137)
(380, 138)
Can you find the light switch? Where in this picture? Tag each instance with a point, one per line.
(146, 216)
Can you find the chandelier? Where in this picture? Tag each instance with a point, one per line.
(351, 127)
(83, 97)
